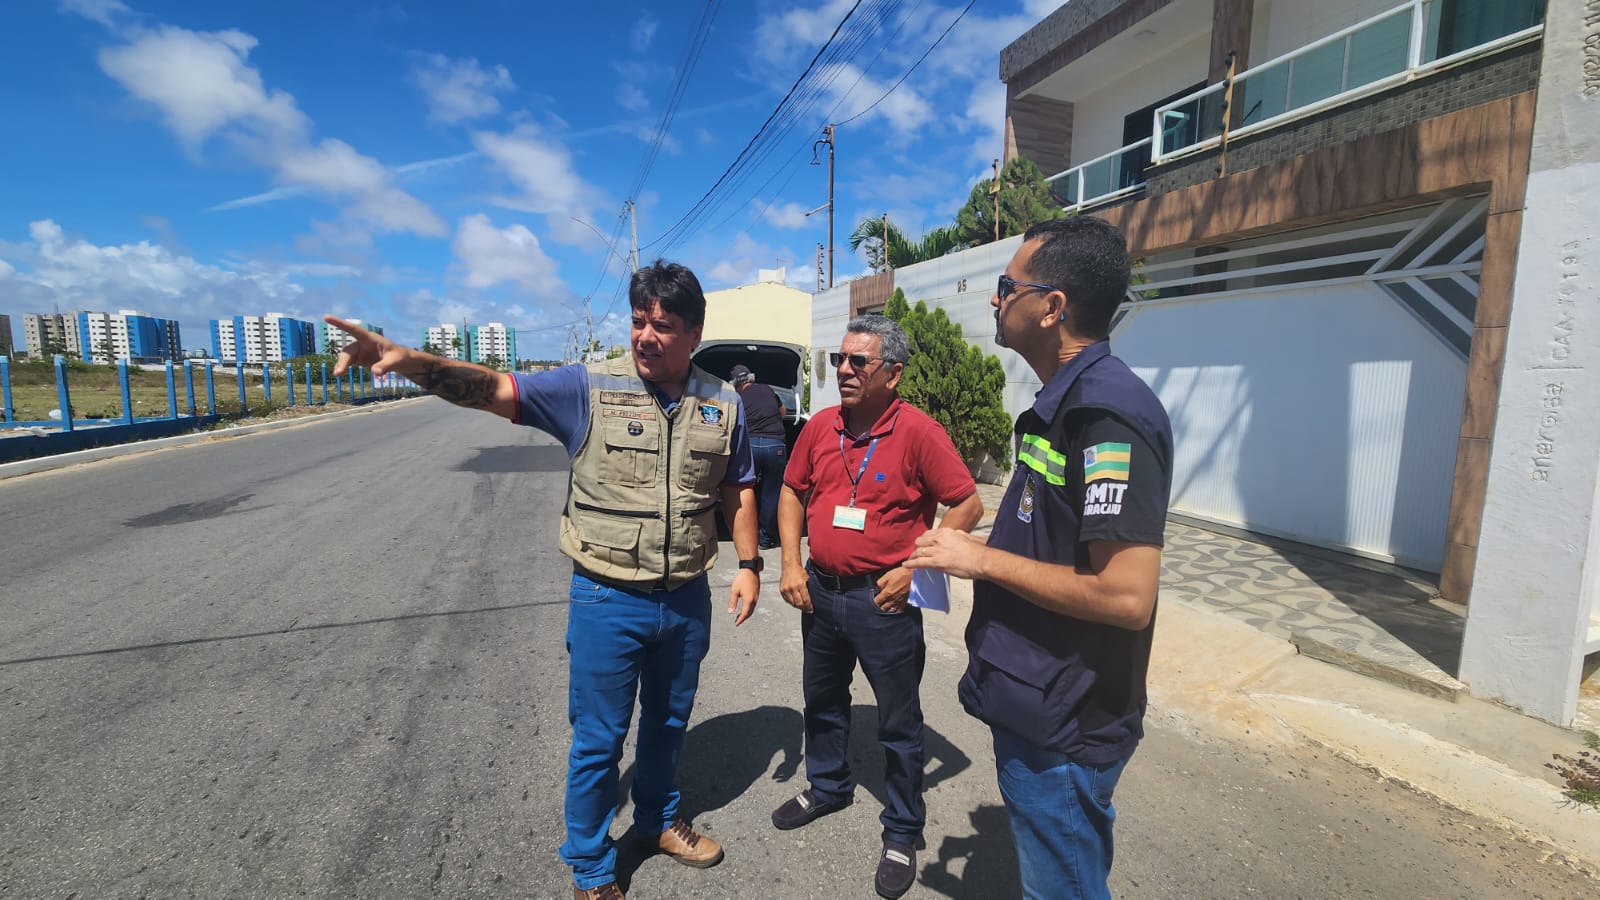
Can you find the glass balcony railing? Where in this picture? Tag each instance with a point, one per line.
(1103, 177)
(1382, 50)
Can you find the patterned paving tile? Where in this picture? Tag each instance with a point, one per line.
(1284, 589)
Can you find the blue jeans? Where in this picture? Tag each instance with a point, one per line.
(770, 459)
(1061, 818)
(620, 641)
(841, 629)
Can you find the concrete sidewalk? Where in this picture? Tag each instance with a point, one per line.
(1286, 643)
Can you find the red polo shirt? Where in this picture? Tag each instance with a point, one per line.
(913, 469)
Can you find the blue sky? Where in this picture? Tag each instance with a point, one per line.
(413, 162)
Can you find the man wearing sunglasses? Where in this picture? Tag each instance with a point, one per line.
(1064, 591)
(865, 478)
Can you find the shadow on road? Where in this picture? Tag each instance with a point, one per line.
(723, 757)
(517, 458)
(988, 859)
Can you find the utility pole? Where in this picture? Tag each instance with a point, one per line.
(819, 266)
(633, 223)
(827, 138)
(994, 189)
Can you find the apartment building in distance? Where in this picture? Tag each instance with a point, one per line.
(492, 343)
(258, 339)
(448, 340)
(47, 333)
(127, 334)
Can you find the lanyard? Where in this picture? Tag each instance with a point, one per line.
(855, 480)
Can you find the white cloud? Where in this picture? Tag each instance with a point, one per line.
(201, 82)
(985, 118)
(644, 31)
(647, 134)
(491, 255)
(1041, 8)
(789, 215)
(904, 109)
(797, 29)
(105, 12)
(72, 273)
(204, 87)
(737, 263)
(335, 168)
(419, 169)
(541, 170)
(6, 270)
(630, 98)
(459, 90)
(705, 136)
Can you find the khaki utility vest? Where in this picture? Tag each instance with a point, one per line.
(642, 505)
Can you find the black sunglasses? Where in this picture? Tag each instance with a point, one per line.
(1006, 286)
(858, 361)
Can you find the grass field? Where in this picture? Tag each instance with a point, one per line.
(96, 392)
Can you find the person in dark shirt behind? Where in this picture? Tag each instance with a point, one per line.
(764, 414)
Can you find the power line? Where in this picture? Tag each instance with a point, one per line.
(744, 154)
(838, 59)
(913, 65)
(686, 66)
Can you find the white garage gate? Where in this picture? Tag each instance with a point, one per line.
(1315, 379)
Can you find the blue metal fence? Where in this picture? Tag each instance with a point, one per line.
(87, 432)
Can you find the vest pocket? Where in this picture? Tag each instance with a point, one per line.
(630, 458)
(701, 532)
(611, 539)
(706, 461)
(1021, 687)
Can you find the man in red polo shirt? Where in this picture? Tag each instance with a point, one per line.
(867, 476)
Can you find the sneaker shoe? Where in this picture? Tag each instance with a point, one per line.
(685, 845)
(607, 891)
(803, 809)
(897, 870)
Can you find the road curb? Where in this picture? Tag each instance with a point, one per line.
(96, 454)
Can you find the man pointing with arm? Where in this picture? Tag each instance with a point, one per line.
(653, 440)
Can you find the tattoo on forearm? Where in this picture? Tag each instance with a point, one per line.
(461, 385)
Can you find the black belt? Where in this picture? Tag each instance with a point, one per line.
(637, 587)
(842, 583)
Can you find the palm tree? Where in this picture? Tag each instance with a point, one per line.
(871, 233)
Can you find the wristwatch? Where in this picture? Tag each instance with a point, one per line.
(755, 565)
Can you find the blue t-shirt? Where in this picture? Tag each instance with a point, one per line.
(557, 403)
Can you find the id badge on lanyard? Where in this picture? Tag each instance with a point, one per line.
(850, 516)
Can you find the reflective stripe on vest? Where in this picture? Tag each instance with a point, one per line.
(1037, 455)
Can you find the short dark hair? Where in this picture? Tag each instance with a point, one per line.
(1088, 259)
(674, 287)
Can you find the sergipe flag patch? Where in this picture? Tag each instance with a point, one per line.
(1107, 461)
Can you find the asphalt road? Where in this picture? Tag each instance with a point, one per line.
(329, 661)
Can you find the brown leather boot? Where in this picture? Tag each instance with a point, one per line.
(607, 891)
(685, 845)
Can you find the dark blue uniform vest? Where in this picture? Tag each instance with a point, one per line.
(1061, 683)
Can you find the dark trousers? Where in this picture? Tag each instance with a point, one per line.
(844, 628)
(770, 460)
